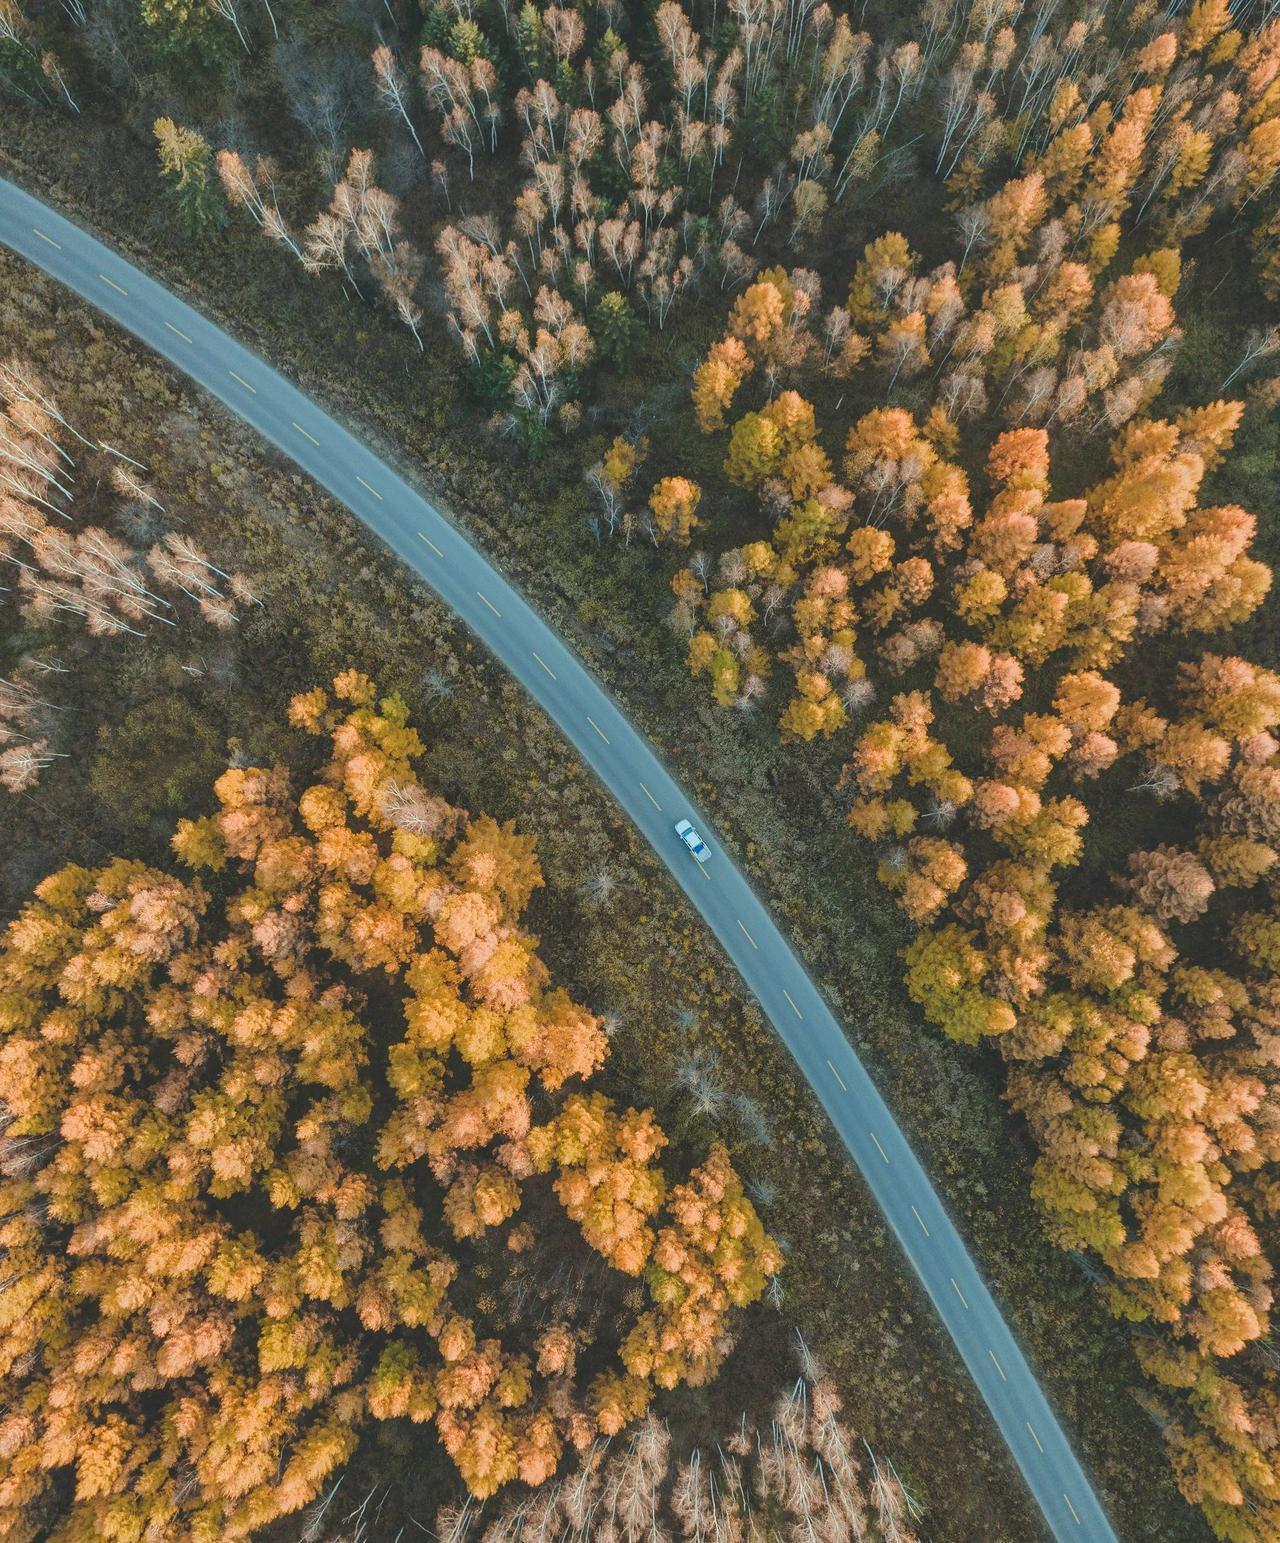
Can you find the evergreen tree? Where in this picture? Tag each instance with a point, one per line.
(185, 164)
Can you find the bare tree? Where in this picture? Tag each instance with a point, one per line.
(1260, 343)
(393, 89)
(227, 10)
(255, 192)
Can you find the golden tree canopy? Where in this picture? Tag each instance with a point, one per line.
(261, 1124)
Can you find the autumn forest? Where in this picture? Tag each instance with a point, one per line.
(884, 402)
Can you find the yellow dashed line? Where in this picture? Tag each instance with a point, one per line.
(431, 544)
(1071, 1508)
(252, 389)
(174, 330)
(1034, 1437)
(651, 798)
(597, 728)
(367, 488)
(920, 1219)
(113, 284)
(49, 239)
(748, 936)
(879, 1148)
(301, 430)
(794, 1008)
(960, 1294)
(838, 1078)
(997, 1365)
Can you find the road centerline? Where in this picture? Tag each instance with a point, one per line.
(253, 390)
(843, 1086)
(651, 798)
(177, 332)
(369, 489)
(114, 285)
(303, 431)
(748, 936)
(36, 231)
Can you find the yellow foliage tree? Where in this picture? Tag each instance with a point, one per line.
(674, 501)
(221, 1120)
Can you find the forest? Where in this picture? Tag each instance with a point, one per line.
(898, 385)
(144, 719)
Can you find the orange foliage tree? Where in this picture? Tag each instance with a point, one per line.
(231, 1100)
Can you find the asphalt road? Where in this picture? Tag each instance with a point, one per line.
(625, 762)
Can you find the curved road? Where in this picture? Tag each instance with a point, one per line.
(624, 761)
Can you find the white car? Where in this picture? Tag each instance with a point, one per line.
(693, 840)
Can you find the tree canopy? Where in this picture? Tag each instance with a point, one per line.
(266, 1115)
